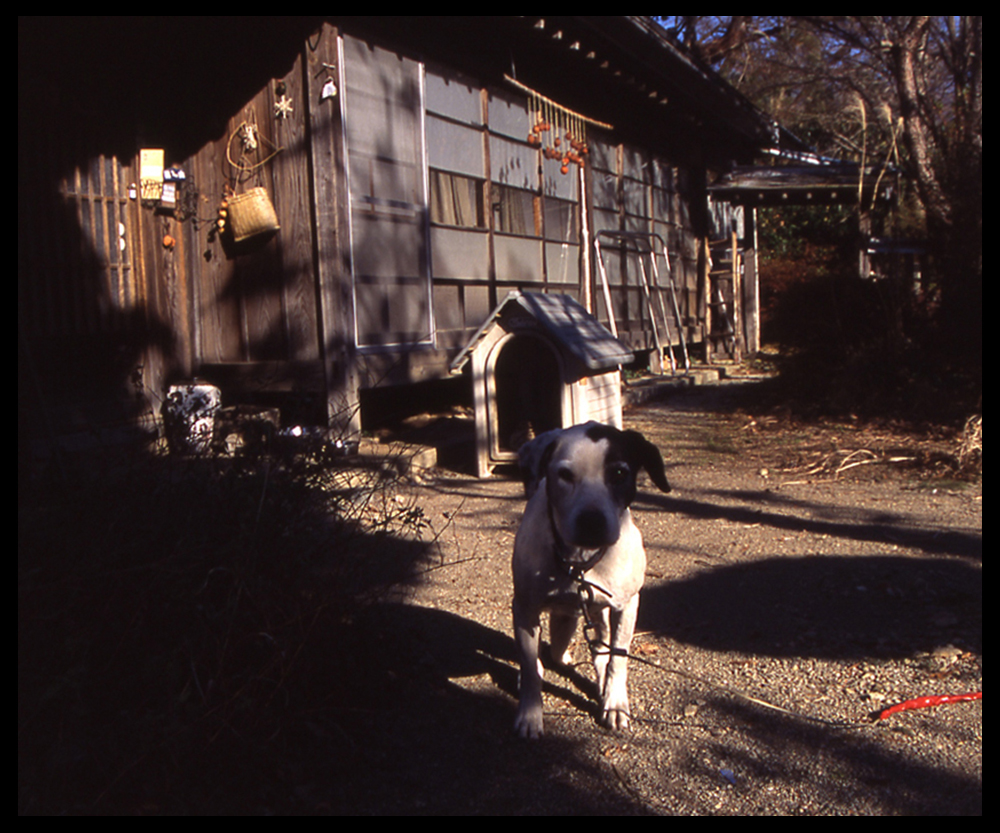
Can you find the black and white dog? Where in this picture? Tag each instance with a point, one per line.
(577, 548)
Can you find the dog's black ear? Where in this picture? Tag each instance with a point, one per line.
(647, 456)
(639, 451)
(533, 459)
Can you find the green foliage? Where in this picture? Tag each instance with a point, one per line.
(787, 232)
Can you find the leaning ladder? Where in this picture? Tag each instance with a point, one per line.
(642, 245)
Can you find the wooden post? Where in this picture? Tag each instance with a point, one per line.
(705, 291)
(737, 298)
(751, 282)
(330, 212)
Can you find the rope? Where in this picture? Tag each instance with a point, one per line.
(537, 95)
(251, 140)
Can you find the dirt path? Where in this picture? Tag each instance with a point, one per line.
(829, 598)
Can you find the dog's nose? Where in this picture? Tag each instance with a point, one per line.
(592, 529)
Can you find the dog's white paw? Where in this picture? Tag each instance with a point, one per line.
(617, 719)
(567, 657)
(615, 712)
(528, 723)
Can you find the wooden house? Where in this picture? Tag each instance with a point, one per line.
(418, 171)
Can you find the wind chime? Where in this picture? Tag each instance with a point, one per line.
(560, 133)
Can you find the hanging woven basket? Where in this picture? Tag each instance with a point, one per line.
(251, 213)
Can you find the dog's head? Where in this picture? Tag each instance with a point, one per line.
(590, 476)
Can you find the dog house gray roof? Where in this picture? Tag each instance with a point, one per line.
(567, 323)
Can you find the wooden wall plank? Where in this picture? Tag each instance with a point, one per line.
(336, 300)
(290, 175)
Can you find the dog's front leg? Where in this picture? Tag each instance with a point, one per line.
(600, 617)
(527, 628)
(614, 682)
(562, 629)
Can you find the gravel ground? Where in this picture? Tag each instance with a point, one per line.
(778, 574)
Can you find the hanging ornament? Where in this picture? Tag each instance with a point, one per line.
(248, 149)
(283, 107)
(555, 127)
(248, 137)
(223, 215)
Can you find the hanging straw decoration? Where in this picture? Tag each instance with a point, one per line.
(252, 149)
(558, 131)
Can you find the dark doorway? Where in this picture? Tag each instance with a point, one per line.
(528, 391)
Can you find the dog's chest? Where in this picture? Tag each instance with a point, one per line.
(611, 582)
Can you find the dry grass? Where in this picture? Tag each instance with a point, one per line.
(177, 621)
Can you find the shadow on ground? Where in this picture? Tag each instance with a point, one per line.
(840, 607)
(421, 739)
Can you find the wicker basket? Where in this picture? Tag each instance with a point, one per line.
(251, 214)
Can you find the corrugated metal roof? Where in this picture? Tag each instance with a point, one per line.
(829, 182)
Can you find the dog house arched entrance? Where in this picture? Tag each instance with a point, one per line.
(528, 390)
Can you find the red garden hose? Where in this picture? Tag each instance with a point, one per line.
(925, 702)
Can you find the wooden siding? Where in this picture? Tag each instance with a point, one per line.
(277, 314)
(256, 302)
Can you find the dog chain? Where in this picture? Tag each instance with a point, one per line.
(585, 591)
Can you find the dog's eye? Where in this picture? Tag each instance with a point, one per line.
(618, 474)
(565, 475)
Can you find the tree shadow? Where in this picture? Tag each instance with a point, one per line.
(828, 606)
(231, 635)
(429, 730)
(843, 766)
(855, 523)
(825, 605)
